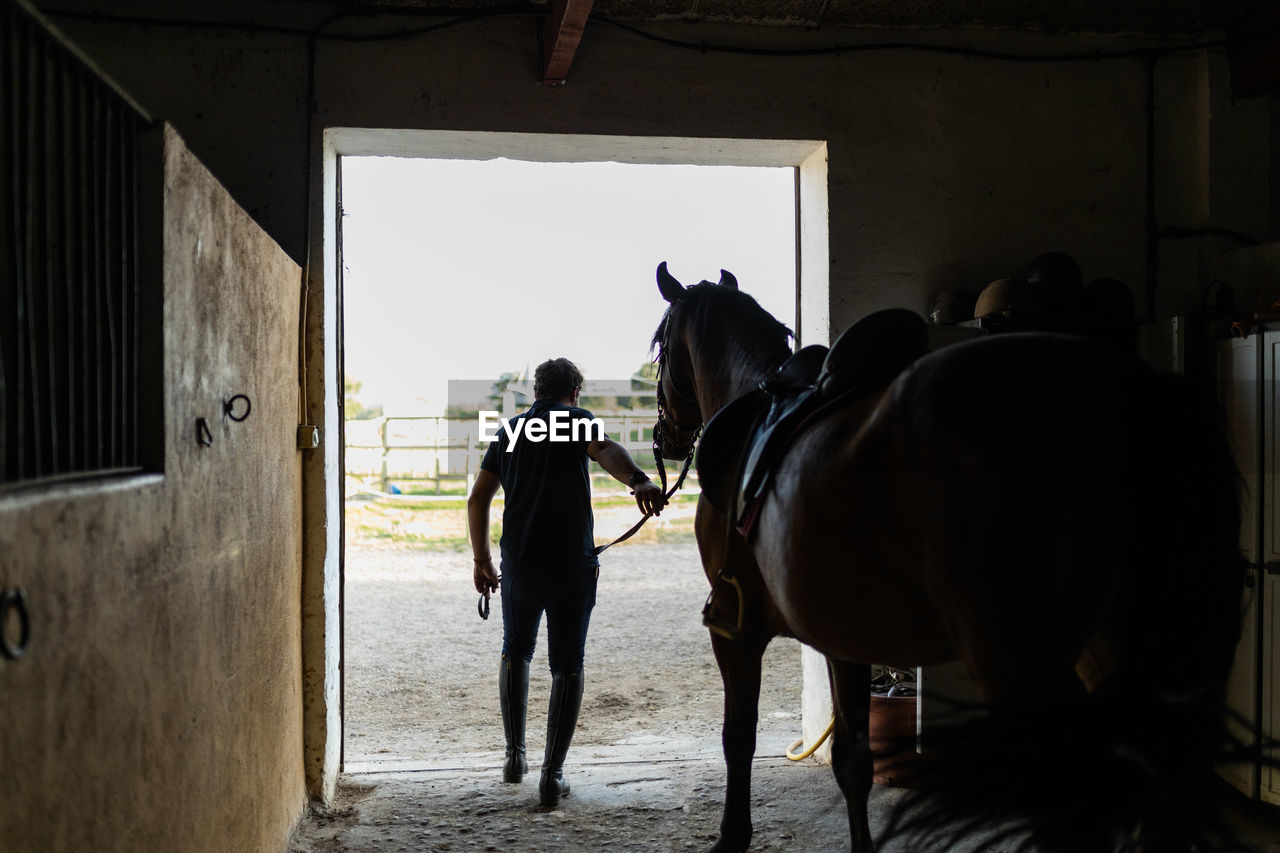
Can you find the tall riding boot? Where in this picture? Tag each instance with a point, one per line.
(562, 719)
(513, 696)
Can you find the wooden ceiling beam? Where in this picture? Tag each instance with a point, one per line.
(561, 34)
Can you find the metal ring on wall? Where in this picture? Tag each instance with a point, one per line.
(14, 599)
(229, 407)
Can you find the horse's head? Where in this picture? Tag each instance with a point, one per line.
(679, 415)
(715, 343)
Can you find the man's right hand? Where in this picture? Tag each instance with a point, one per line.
(485, 576)
(649, 498)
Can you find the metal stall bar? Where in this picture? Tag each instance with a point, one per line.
(69, 254)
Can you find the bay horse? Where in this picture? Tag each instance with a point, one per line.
(1046, 509)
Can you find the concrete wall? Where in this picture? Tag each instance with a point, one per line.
(943, 171)
(159, 704)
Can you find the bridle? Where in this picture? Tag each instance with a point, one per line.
(666, 421)
(665, 417)
(664, 412)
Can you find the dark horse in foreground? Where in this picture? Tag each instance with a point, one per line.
(1047, 510)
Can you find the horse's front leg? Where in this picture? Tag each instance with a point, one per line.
(851, 757)
(739, 662)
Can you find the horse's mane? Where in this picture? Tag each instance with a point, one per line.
(713, 309)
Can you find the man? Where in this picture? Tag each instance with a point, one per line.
(548, 555)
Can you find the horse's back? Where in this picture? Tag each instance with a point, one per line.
(1002, 496)
(1082, 532)
(1022, 450)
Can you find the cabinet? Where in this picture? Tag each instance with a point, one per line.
(1269, 777)
(1248, 385)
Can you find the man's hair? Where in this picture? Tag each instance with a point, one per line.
(556, 379)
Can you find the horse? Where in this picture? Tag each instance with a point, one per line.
(1046, 509)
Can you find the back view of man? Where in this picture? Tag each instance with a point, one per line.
(548, 557)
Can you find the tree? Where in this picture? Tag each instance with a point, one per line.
(500, 386)
(643, 379)
(353, 409)
(462, 411)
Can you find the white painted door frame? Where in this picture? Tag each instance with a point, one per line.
(322, 647)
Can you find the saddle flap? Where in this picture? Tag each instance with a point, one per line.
(721, 448)
(768, 442)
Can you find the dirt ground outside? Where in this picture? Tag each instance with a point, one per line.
(421, 666)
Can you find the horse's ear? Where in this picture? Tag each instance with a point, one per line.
(672, 290)
(727, 280)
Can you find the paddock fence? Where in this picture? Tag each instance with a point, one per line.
(437, 458)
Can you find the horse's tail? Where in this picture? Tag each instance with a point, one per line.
(1131, 765)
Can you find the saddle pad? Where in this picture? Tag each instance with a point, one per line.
(719, 458)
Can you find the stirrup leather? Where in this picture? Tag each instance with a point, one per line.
(724, 628)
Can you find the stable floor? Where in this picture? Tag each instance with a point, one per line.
(637, 798)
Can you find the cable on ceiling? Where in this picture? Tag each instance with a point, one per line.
(458, 17)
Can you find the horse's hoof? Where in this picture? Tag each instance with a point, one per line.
(720, 847)
(725, 845)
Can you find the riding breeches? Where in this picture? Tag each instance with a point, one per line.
(567, 596)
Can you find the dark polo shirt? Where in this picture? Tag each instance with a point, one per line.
(546, 519)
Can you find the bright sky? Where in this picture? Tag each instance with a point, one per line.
(465, 269)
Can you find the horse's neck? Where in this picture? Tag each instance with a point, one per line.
(727, 373)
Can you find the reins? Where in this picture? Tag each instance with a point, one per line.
(666, 494)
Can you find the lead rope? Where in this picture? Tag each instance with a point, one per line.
(662, 477)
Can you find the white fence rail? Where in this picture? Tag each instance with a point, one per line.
(440, 451)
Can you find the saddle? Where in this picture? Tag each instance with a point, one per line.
(743, 444)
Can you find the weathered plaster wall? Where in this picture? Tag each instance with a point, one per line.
(159, 704)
